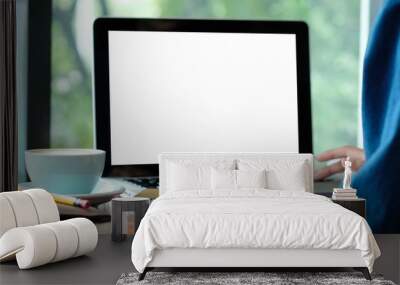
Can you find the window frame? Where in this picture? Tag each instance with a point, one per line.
(38, 85)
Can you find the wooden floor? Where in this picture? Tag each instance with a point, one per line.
(103, 266)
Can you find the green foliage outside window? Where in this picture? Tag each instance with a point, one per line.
(334, 43)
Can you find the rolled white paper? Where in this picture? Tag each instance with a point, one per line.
(7, 218)
(23, 208)
(33, 246)
(87, 235)
(46, 208)
(67, 240)
(37, 245)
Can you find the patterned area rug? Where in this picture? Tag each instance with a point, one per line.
(228, 278)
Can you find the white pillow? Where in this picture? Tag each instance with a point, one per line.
(281, 174)
(237, 179)
(188, 177)
(291, 179)
(223, 179)
(190, 174)
(251, 178)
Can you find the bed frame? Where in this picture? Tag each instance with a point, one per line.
(249, 259)
(256, 259)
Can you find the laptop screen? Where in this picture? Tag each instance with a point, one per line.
(173, 91)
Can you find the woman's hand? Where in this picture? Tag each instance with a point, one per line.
(355, 154)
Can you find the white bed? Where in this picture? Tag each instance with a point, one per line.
(216, 224)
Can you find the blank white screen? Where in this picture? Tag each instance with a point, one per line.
(201, 92)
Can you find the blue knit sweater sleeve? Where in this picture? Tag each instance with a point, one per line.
(379, 179)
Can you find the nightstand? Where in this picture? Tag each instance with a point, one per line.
(357, 205)
(126, 216)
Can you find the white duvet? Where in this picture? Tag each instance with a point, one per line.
(250, 219)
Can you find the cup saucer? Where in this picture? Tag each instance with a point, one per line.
(104, 191)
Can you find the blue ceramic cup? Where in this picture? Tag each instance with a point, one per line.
(65, 171)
